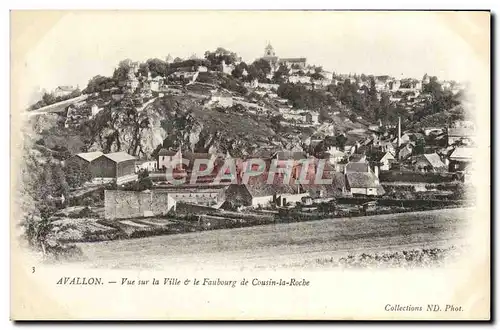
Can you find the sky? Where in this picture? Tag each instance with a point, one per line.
(401, 44)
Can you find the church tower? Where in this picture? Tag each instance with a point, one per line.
(269, 51)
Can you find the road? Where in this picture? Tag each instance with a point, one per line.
(56, 107)
(282, 245)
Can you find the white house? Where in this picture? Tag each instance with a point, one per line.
(222, 99)
(149, 165)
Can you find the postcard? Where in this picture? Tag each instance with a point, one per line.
(250, 165)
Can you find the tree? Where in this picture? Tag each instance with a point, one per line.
(419, 147)
(157, 67)
(99, 83)
(121, 72)
(76, 174)
(219, 55)
(48, 99)
(259, 69)
(341, 140)
(177, 60)
(279, 75)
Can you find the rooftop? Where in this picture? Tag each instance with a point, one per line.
(119, 156)
(462, 154)
(362, 180)
(90, 156)
(357, 167)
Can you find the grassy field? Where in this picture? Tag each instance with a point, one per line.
(282, 245)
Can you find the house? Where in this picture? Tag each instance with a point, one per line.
(405, 151)
(312, 118)
(405, 138)
(62, 91)
(95, 110)
(208, 158)
(116, 167)
(387, 146)
(148, 165)
(429, 163)
(336, 156)
(357, 158)
(365, 184)
(464, 135)
(257, 192)
(432, 130)
(357, 167)
(224, 100)
(226, 68)
(327, 191)
(385, 159)
(460, 159)
(298, 62)
(84, 161)
(299, 79)
(165, 158)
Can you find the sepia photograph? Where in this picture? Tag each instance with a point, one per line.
(253, 164)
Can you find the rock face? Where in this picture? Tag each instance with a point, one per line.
(170, 121)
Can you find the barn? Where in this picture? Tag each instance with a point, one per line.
(84, 160)
(116, 167)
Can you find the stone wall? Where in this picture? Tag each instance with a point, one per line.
(121, 204)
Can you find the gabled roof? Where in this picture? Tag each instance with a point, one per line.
(258, 186)
(462, 154)
(461, 131)
(362, 180)
(357, 167)
(434, 160)
(119, 156)
(381, 155)
(166, 152)
(90, 156)
(356, 158)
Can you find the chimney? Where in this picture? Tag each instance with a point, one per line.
(376, 169)
(399, 131)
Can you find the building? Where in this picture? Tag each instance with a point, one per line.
(385, 159)
(299, 79)
(84, 161)
(227, 68)
(211, 197)
(312, 118)
(357, 167)
(357, 158)
(405, 151)
(258, 193)
(365, 184)
(275, 62)
(121, 204)
(296, 62)
(148, 165)
(62, 91)
(224, 100)
(429, 163)
(116, 167)
(461, 159)
(270, 55)
(463, 135)
(165, 158)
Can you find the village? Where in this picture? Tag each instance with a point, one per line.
(357, 166)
